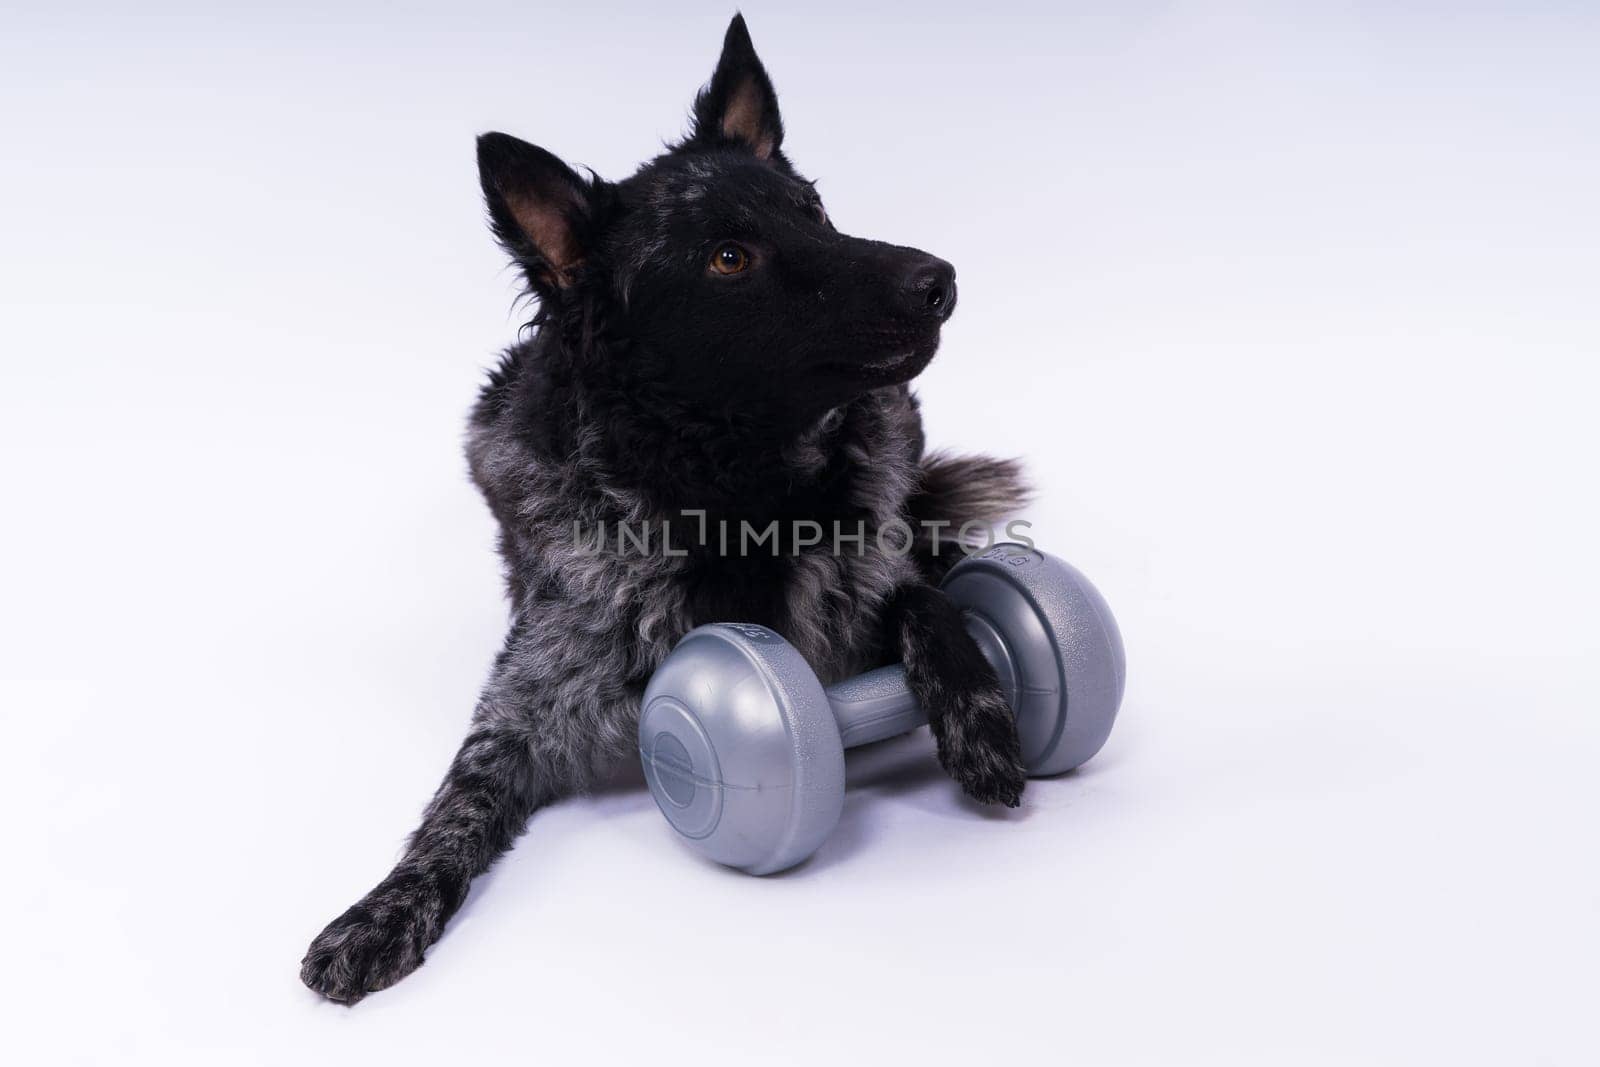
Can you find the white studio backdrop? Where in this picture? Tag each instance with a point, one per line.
(1291, 310)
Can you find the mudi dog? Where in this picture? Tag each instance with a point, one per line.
(708, 348)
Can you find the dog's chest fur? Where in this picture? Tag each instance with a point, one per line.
(555, 491)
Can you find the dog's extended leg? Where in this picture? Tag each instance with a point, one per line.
(972, 723)
(486, 797)
(521, 752)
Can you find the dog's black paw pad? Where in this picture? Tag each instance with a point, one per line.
(979, 748)
(362, 951)
(1002, 785)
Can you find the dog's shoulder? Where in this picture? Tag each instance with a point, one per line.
(520, 450)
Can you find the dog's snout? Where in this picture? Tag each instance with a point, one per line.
(930, 288)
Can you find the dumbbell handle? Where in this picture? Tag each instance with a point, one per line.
(874, 706)
(878, 705)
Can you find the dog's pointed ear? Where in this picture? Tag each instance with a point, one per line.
(739, 105)
(542, 212)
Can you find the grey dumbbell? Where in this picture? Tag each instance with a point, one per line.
(743, 748)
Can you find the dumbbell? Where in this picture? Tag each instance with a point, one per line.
(743, 748)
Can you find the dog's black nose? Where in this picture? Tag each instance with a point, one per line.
(930, 288)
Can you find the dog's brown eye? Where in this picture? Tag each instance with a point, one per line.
(729, 259)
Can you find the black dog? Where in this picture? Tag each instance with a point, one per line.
(710, 354)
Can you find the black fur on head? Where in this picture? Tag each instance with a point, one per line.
(711, 286)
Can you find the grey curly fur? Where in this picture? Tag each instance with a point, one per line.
(588, 628)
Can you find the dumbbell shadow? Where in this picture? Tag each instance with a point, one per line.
(900, 769)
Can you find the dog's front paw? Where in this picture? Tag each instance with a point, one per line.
(370, 947)
(979, 747)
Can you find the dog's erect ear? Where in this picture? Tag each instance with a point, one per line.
(739, 105)
(539, 209)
